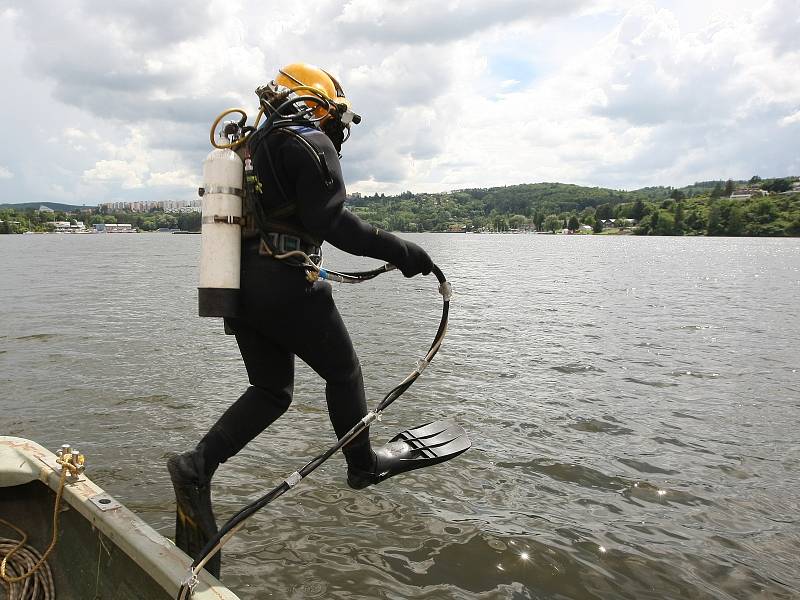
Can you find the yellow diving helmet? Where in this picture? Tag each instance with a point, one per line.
(297, 76)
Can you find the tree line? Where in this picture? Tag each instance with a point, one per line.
(15, 220)
(704, 208)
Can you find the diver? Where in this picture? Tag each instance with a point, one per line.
(284, 313)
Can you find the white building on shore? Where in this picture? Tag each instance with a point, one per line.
(170, 206)
(68, 226)
(114, 228)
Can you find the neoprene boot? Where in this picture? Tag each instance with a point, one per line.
(361, 464)
(194, 522)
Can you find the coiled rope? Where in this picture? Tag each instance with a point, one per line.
(21, 560)
(24, 572)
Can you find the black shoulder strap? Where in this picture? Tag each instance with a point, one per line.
(286, 208)
(317, 154)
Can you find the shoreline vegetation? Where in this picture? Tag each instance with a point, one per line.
(762, 208)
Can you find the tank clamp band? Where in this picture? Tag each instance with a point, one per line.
(446, 290)
(230, 219)
(221, 189)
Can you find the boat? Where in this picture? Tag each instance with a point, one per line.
(102, 549)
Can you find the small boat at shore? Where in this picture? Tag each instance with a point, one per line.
(102, 550)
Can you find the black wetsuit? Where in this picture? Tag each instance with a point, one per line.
(283, 315)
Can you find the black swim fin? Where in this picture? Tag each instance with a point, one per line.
(423, 446)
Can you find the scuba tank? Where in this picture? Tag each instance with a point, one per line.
(230, 185)
(220, 242)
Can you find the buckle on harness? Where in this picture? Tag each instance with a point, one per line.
(280, 243)
(289, 243)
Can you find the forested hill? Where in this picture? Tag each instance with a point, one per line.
(754, 207)
(478, 207)
(51, 205)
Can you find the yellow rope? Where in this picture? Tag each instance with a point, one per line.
(65, 468)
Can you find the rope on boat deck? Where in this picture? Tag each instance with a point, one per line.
(23, 571)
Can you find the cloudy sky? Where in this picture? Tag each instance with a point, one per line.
(112, 101)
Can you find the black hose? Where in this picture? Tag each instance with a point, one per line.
(315, 462)
(272, 118)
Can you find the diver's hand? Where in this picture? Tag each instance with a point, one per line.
(415, 260)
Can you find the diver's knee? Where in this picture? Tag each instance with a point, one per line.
(280, 399)
(351, 376)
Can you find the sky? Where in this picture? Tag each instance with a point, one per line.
(108, 102)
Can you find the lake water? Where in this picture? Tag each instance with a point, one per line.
(634, 405)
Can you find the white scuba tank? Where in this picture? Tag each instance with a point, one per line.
(220, 243)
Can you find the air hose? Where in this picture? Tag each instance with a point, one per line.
(229, 529)
(316, 100)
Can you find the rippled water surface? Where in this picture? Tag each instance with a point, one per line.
(634, 405)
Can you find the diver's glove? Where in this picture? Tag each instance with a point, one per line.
(414, 260)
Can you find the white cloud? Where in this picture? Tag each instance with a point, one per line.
(128, 174)
(457, 94)
(180, 178)
(792, 119)
(5, 173)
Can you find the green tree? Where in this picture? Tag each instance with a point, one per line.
(552, 223)
(676, 195)
(538, 219)
(517, 221)
(500, 223)
(779, 185)
(573, 224)
(655, 217)
(715, 225)
(728, 188)
(735, 225)
(765, 211)
(695, 221)
(166, 221)
(678, 219)
(665, 224)
(191, 221)
(598, 226)
(638, 210)
(604, 211)
(716, 192)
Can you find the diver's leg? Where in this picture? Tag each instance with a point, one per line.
(271, 373)
(270, 370)
(322, 341)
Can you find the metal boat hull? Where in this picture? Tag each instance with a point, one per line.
(104, 551)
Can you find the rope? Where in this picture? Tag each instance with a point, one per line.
(39, 585)
(23, 571)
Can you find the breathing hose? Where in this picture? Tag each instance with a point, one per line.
(314, 98)
(227, 531)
